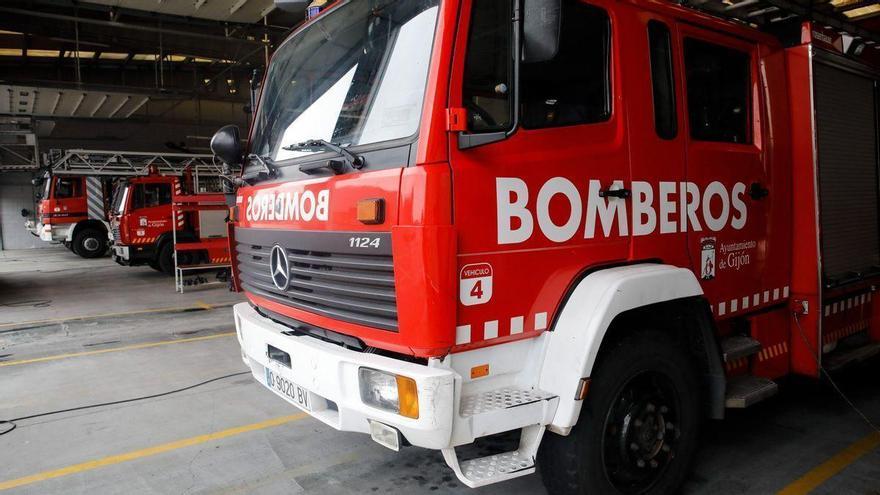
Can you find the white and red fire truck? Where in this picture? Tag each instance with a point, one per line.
(594, 222)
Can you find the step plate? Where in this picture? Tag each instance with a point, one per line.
(739, 346)
(495, 466)
(839, 359)
(747, 390)
(504, 398)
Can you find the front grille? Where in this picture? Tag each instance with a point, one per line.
(115, 230)
(357, 288)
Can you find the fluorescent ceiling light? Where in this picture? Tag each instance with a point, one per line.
(862, 11)
(42, 53)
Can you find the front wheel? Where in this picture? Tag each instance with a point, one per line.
(165, 258)
(90, 243)
(639, 426)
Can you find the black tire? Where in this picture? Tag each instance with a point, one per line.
(90, 243)
(154, 264)
(165, 259)
(68, 245)
(638, 428)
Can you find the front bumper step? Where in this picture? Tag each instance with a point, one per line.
(497, 411)
(495, 468)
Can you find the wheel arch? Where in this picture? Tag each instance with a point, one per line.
(601, 309)
(182, 235)
(86, 224)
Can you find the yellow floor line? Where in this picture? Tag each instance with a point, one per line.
(145, 345)
(821, 473)
(204, 305)
(199, 305)
(147, 452)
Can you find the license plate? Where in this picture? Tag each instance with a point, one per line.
(121, 251)
(287, 389)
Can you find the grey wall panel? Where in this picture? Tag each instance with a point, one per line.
(16, 193)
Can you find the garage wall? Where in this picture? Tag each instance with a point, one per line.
(16, 192)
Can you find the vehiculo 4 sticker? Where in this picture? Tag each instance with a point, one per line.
(475, 284)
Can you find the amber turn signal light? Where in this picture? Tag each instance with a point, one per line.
(408, 395)
(371, 211)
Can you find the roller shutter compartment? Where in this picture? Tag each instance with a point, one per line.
(846, 135)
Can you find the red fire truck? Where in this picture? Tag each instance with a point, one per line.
(77, 188)
(593, 222)
(144, 223)
(73, 211)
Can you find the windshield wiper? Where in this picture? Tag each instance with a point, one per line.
(268, 171)
(356, 162)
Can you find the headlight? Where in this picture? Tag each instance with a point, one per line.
(389, 392)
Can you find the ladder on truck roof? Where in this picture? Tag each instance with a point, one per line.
(768, 14)
(131, 163)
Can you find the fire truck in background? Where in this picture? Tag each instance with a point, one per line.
(144, 225)
(73, 211)
(460, 218)
(77, 189)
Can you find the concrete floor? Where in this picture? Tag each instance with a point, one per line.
(59, 285)
(218, 438)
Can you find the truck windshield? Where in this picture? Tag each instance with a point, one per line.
(120, 195)
(354, 76)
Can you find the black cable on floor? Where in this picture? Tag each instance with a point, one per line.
(12, 421)
(833, 383)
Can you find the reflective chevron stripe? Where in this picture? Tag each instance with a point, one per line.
(95, 198)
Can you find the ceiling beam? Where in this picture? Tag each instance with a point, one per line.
(184, 21)
(237, 5)
(123, 25)
(829, 20)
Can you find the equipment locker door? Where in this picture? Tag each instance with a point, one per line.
(727, 233)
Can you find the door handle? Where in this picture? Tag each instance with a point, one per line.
(758, 192)
(615, 193)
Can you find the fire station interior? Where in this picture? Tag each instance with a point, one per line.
(120, 367)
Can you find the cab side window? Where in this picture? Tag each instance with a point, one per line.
(574, 86)
(150, 195)
(488, 69)
(68, 187)
(717, 92)
(662, 80)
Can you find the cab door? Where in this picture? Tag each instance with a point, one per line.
(68, 194)
(657, 137)
(727, 232)
(150, 211)
(526, 207)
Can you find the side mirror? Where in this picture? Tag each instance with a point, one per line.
(226, 145)
(25, 213)
(542, 21)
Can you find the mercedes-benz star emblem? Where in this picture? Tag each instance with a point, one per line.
(279, 267)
